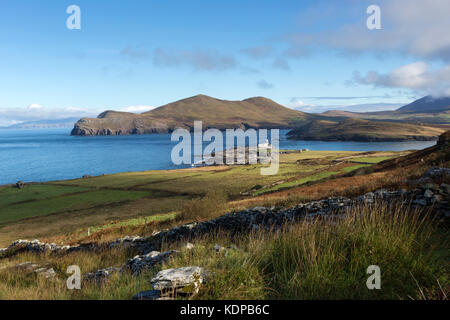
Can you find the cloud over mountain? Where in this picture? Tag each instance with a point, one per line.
(418, 76)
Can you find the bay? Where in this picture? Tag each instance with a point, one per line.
(52, 154)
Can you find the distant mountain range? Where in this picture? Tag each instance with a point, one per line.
(352, 129)
(424, 119)
(427, 104)
(427, 110)
(42, 124)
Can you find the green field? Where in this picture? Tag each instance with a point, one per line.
(10, 196)
(66, 203)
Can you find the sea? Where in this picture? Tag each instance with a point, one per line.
(39, 155)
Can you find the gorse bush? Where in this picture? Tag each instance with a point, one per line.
(210, 206)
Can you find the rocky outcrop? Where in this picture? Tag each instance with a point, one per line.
(173, 283)
(35, 246)
(36, 269)
(135, 265)
(183, 280)
(102, 274)
(146, 261)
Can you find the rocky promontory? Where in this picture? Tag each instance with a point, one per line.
(256, 112)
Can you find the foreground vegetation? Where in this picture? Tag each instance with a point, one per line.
(308, 260)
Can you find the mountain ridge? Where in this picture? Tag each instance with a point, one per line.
(428, 109)
(351, 129)
(255, 112)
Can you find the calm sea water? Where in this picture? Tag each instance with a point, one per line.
(52, 154)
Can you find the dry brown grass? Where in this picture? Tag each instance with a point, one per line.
(346, 186)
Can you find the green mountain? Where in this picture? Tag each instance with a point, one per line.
(255, 112)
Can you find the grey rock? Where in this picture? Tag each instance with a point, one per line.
(102, 274)
(185, 280)
(428, 193)
(146, 261)
(148, 295)
(48, 273)
(437, 172)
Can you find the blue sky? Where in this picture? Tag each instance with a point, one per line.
(131, 55)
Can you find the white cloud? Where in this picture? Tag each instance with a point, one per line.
(302, 106)
(136, 109)
(34, 106)
(414, 27)
(418, 76)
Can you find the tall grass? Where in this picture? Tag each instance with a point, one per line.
(318, 259)
(208, 207)
(329, 259)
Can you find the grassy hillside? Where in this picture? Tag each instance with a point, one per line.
(363, 130)
(61, 207)
(222, 114)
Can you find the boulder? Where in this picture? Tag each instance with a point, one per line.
(186, 280)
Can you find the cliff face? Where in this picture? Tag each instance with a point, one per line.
(221, 114)
(119, 125)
